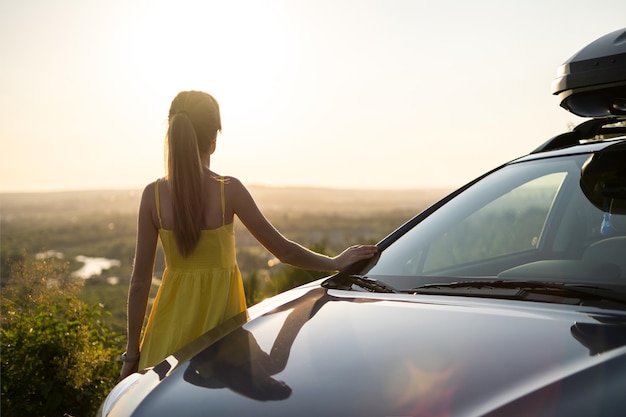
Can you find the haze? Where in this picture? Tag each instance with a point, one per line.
(331, 93)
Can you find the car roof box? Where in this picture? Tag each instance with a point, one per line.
(592, 83)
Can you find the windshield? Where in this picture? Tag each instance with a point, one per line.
(527, 221)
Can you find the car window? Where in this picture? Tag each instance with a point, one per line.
(513, 216)
(510, 224)
(529, 220)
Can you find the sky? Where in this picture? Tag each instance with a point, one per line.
(326, 93)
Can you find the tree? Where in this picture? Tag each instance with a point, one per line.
(58, 355)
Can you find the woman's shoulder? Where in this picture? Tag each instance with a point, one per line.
(230, 182)
(149, 188)
(149, 191)
(234, 189)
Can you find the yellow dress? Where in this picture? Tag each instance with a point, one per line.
(196, 293)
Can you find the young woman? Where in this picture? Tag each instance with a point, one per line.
(192, 211)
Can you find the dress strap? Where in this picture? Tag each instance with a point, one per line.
(158, 202)
(222, 198)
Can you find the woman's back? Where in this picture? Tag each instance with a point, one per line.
(207, 279)
(214, 207)
(216, 246)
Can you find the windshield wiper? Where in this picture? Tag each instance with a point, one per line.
(371, 285)
(522, 290)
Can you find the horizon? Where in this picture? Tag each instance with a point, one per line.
(272, 200)
(390, 95)
(249, 186)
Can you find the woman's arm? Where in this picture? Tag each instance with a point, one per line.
(285, 250)
(141, 278)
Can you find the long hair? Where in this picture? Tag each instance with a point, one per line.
(194, 120)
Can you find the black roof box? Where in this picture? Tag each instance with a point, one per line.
(592, 83)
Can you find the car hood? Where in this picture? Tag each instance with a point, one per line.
(342, 353)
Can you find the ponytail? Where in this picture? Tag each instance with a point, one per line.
(185, 179)
(194, 120)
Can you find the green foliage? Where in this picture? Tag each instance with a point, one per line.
(281, 278)
(113, 298)
(291, 277)
(58, 353)
(251, 287)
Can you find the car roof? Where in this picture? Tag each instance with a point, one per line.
(582, 148)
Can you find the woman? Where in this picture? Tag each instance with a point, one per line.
(192, 211)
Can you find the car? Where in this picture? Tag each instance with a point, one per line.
(505, 298)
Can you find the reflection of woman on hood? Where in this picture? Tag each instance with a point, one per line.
(238, 362)
(240, 365)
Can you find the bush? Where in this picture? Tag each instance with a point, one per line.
(58, 356)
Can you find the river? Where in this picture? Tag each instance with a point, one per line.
(93, 266)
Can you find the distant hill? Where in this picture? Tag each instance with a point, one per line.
(51, 205)
(295, 200)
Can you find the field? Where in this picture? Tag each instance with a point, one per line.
(101, 224)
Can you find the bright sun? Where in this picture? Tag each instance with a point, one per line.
(236, 53)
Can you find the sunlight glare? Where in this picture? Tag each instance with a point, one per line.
(234, 52)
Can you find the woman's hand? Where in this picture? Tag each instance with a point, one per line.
(354, 254)
(129, 368)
